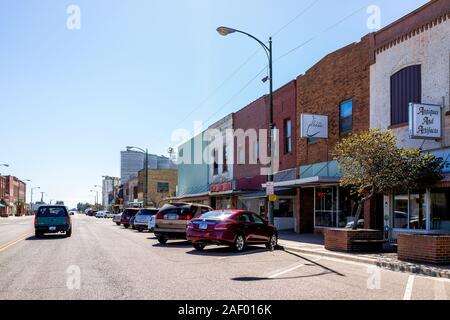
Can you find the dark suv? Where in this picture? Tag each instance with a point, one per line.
(127, 215)
(52, 219)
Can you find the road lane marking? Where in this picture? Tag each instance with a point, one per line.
(409, 288)
(11, 243)
(286, 271)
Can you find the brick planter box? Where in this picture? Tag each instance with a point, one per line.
(433, 249)
(347, 240)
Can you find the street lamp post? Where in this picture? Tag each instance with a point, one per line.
(224, 31)
(31, 197)
(96, 198)
(146, 172)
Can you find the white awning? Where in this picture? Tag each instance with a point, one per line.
(306, 182)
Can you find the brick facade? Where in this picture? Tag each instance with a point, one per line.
(424, 248)
(340, 76)
(154, 176)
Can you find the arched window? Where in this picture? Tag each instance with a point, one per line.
(406, 87)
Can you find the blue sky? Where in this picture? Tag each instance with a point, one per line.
(70, 100)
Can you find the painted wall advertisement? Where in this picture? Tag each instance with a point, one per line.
(425, 121)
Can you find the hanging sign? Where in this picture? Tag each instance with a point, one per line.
(425, 121)
(314, 126)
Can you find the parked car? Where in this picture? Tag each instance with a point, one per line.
(143, 217)
(117, 218)
(91, 213)
(108, 214)
(132, 222)
(151, 223)
(172, 219)
(52, 219)
(72, 212)
(234, 228)
(127, 214)
(100, 214)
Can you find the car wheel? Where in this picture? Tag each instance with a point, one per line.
(139, 230)
(118, 223)
(199, 246)
(239, 243)
(126, 226)
(69, 233)
(273, 242)
(162, 240)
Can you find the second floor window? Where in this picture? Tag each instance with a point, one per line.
(346, 117)
(162, 187)
(216, 164)
(406, 87)
(287, 136)
(225, 160)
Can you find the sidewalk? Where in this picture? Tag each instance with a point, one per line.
(314, 245)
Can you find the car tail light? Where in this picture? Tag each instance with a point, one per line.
(67, 220)
(187, 217)
(222, 226)
(35, 221)
(159, 216)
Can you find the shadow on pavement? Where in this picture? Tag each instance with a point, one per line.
(48, 237)
(251, 279)
(173, 244)
(224, 251)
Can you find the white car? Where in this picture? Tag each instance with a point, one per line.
(101, 214)
(108, 214)
(151, 223)
(117, 218)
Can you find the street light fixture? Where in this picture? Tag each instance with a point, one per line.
(96, 198)
(130, 148)
(225, 31)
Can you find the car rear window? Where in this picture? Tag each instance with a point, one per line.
(217, 214)
(148, 212)
(130, 212)
(181, 211)
(51, 212)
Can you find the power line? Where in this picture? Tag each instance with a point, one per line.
(296, 17)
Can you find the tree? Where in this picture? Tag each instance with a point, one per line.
(373, 164)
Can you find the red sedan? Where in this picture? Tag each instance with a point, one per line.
(235, 228)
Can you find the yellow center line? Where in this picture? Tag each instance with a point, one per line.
(17, 240)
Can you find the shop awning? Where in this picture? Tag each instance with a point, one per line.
(2, 206)
(263, 194)
(306, 182)
(190, 196)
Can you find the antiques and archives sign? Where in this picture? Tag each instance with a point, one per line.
(425, 121)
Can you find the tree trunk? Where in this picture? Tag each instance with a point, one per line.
(358, 214)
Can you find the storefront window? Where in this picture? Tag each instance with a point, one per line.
(410, 211)
(400, 211)
(440, 209)
(417, 211)
(348, 205)
(325, 207)
(284, 208)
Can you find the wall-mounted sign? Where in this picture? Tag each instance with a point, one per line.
(270, 188)
(425, 121)
(314, 126)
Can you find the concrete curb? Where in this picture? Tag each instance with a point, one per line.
(422, 269)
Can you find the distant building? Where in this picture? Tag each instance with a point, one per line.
(108, 185)
(131, 162)
(12, 196)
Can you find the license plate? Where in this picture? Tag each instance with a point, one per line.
(171, 216)
(52, 228)
(203, 226)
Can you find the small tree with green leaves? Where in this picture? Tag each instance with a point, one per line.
(373, 164)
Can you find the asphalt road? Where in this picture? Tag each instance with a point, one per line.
(104, 261)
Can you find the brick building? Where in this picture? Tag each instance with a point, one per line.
(411, 65)
(161, 185)
(337, 87)
(12, 196)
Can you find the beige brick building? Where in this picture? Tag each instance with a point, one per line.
(161, 185)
